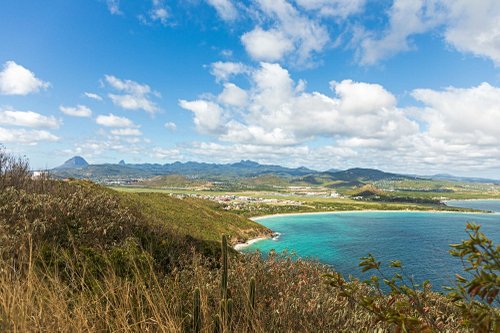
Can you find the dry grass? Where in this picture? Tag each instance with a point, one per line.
(291, 297)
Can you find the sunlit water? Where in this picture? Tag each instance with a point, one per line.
(419, 239)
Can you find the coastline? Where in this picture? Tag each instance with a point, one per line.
(240, 246)
(262, 217)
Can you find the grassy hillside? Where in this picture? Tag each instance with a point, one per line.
(202, 219)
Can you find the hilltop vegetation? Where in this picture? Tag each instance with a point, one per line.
(75, 256)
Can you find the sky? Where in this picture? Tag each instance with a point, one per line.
(409, 86)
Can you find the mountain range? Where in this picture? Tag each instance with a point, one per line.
(77, 167)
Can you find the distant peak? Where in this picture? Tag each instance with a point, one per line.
(74, 162)
(247, 163)
(122, 162)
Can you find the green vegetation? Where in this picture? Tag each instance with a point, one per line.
(75, 256)
(201, 219)
(406, 305)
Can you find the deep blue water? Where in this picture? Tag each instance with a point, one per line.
(419, 239)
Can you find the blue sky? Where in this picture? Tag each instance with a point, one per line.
(405, 86)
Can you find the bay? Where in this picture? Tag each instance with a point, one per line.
(419, 239)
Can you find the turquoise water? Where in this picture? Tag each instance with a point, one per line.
(419, 239)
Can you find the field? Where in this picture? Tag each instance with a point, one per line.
(257, 203)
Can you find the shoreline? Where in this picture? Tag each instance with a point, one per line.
(263, 217)
(489, 199)
(239, 246)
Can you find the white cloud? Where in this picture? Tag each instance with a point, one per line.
(93, 96)
(27, 119)
(278, 112)
(208, 116)
(114, 121)
(406, 18)
(270, 45)
(469, 26)
(462, 115)
(335, 8)
(18, 80)
(232, 95)
(126, 132)
(292, 35)
(136, 96)
(474, 27)
(223, 71)
(170, 126)
(76, 111)
(225, 8)
(27, 137)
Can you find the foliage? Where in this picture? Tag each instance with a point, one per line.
(479, 289)
(412, 307)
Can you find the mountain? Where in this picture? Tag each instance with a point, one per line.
(122, 162)
(74, 163)
(191, 169)
(366, 175)
(453, 178)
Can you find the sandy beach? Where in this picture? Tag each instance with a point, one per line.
(240, 246)
(257, 218)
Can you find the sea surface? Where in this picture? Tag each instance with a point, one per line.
(488, 205)
(419, 239)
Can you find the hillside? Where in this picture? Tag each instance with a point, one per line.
(201, 219)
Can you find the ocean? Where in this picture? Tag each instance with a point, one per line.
(419, 239)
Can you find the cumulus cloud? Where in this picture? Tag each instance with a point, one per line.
(468, 115)
(469, 26)
(232, 95)
(360, 122)
(24, 136)
(270, 45)
(474, 27)
(135, 96)
(18, 80)
(223, 71)
(208, 116)
(76, 111)
(27, 119)
(93, 96)
(277, 113)
(406, 18)
(225, 8)
(114, 121)
(291, 35)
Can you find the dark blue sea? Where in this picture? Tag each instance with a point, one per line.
(419, 239)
